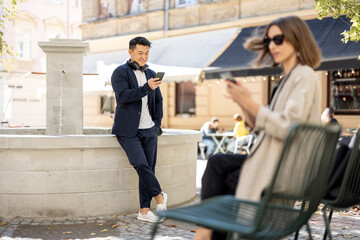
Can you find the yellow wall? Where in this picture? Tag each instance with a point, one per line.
(348, 121)
(210, 102)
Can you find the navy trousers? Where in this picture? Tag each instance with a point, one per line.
(141, 151)
(221, 177)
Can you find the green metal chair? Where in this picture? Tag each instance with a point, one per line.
(349, 192)
(301, 174)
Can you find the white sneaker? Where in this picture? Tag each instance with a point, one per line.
(149, 217)
(162, 207)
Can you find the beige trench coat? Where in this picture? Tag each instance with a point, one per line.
(297, 99)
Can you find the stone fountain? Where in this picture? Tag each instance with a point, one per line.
(67, 171)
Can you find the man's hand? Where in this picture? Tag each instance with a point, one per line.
(154, 83)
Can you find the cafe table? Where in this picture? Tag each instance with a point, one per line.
(222, 136)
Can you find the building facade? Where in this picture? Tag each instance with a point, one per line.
(23, 90)
(108, 25)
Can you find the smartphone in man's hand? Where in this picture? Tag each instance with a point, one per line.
(227, 76)
(159, 75)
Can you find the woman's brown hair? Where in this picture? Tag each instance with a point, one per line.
(297, 33)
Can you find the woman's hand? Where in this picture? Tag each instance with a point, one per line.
(243, 97)
(238, 93)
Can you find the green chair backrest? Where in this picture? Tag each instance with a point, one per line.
(302, 173)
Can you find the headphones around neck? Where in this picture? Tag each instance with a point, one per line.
(135, 66)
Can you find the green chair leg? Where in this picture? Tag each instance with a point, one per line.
(327, 222)
(296, 234)
(154, 230)
(309, 230)
(303, 205)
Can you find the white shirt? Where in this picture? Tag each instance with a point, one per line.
(145, 117)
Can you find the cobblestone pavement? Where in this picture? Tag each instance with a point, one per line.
(344, 225)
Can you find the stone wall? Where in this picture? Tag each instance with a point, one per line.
(81, 176)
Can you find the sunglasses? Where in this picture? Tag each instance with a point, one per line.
(277, 39)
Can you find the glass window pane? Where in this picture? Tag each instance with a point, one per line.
(181, 3)
(345, 90)
(24, 42)
(78, 3)
(185, 98)
(107, 104)
(107, 8)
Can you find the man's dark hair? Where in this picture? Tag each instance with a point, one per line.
(214, 119)
(140, 41)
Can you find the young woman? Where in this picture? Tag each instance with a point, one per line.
(287, 42)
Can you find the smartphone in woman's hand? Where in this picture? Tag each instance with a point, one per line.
(227, 76)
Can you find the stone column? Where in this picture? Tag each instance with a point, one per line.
(64, 85)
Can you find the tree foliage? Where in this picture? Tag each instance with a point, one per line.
(338, 8)
(8, 9)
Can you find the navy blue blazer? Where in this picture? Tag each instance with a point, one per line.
(128, 96)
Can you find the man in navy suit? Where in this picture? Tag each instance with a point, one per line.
(138, 114)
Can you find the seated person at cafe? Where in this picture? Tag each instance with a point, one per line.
(239, 131)
(328, 116)
(209, 127)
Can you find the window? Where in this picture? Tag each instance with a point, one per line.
(136, 6)
(106, 9)
(344, 94)
(182, 3)
(107, 104)
(78, 3)
(185, 98)
(24, 42)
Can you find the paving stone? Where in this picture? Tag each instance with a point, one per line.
(15, 222)
(47, 222)
(26, 221)
(9, 231)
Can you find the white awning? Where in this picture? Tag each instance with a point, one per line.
(181, 58)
